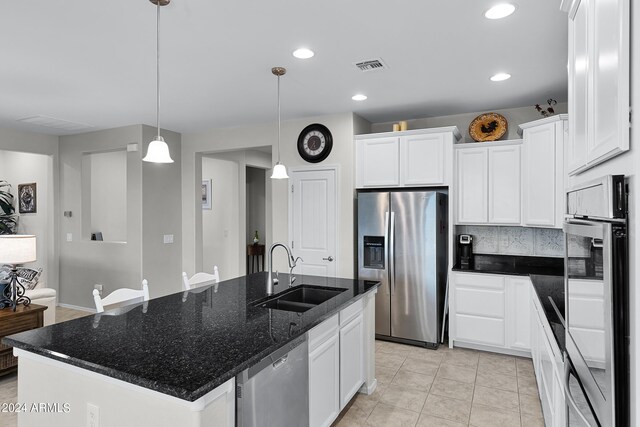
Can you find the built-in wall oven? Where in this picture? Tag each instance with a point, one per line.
(596, 301)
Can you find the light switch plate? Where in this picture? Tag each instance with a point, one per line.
(168, 238)
(69, 237)
(93, 415)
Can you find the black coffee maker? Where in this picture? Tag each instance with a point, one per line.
(465, 251)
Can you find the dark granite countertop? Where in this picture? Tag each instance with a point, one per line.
(186, 344)
(551, 288)
(515, 265)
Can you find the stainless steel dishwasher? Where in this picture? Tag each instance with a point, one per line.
(275, 391)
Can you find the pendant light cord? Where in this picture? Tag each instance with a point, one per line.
(278, 119)
(158, 68)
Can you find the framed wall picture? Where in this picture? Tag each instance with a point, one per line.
(27, 198)
(206, 194)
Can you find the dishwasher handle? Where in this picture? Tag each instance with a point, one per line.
(278, 363)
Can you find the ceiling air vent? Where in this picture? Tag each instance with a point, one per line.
(371, 65)
(53, 123)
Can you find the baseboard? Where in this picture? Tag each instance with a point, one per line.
(481, 347)
(368, 390)
(77, 307)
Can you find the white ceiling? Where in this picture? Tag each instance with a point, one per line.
(93, 62)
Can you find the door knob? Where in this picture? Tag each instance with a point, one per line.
(329, 258)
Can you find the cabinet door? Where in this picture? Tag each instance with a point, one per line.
(422, 159)
(579, 63)
(559, 405)
(324, 383)
(519, 313)
(471, 173)
(610, 59)
(539, 176)
(351, 359)
(504, 185)
(378, 162)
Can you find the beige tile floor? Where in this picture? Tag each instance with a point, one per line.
(9, 383)
(446, 388)
(418, 388)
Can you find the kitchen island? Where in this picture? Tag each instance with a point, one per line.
(172, 360)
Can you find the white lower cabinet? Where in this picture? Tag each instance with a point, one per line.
(336, 364)
(324, 383)
(490, 310)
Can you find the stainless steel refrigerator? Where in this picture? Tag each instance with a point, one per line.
(402, 242)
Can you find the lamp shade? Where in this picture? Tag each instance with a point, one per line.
(17, 249)
(279, 172)
(158, 152)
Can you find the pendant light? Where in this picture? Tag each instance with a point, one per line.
(158, 151)
(279, 170)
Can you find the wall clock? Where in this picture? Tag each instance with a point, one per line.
(315, 143)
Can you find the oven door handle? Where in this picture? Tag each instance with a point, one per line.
(567, 392)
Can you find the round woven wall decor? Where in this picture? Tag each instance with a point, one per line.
(488, 127)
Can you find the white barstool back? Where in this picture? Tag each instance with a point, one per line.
(120, 296)
(200, 279)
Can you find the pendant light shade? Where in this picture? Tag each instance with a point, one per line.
(279, 170)
(158, 151)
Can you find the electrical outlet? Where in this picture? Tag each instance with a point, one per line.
(69, 237)
(93, 415)
(168, 238)
(98, 287)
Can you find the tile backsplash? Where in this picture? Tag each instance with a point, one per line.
(547, 242)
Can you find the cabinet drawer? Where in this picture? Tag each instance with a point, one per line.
(486, 281)
(480, 330)
(350, 312)
(322, 332)
(480, 302)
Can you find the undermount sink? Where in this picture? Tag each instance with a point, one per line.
(300, 299)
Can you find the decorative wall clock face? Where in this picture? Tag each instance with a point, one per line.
(315, 143)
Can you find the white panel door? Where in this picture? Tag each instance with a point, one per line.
(351, 359)
(504, 185)
(539, 177)
(610, 69)
(379, 162)
(314, 221)
(519, 313)
(324, 383)
(422, 159)
(471, 172)
(578, 87)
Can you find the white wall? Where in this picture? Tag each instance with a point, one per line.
(514, 116)
(221, 224)
(108, 175)
(231, 139)
(256, 203)
(30, 142)
(22, 168)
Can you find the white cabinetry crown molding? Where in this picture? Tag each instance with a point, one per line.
(454, 129)
(543, 121)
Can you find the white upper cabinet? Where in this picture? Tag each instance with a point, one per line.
(422, 159)
(405, 159)
(598, 81)
(378, 162)
(543, 172)
(488, 183)
(504, 185)
(472, 186)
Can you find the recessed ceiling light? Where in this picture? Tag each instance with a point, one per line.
(500, 11)
(303, 53)
(500, 77)
(359, 97)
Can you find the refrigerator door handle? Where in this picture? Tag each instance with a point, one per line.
(386, 242)
(392, 255)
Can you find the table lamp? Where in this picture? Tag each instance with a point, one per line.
(14, 250)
